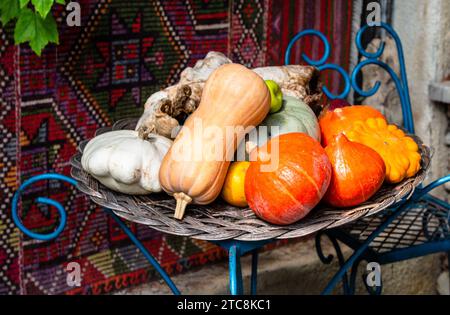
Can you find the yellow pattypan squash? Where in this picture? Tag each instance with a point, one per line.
(399, 152)
(233, 188)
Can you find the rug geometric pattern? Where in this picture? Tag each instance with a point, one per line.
(101, 72)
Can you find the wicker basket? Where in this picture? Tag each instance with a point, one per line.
(220, 221)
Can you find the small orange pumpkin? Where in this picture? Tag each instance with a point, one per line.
(399, 152)
(358, 173)
(284, 192)
(333, 122)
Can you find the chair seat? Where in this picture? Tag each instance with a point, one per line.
(422, 229)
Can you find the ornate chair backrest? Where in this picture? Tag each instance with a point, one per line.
(401, 83)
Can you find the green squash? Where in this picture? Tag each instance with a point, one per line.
(294, 116)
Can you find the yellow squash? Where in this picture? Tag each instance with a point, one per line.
(194, 169)
(399, 152)
(233, 188)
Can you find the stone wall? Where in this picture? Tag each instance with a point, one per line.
(424, 27)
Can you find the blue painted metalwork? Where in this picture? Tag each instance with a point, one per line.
(145, 252)
(44, 200)
(353, 274)
(400, 83)
(328, 259)
(235, 270)
(63, 220)
(235, 250)
(406, 109)
(421, 192)
(234, 261)
(358, 252)
(398, 248)
(403, 89)
(321, 61)
(244, 246)
(343, 73)
(320, 64)
(399, 254)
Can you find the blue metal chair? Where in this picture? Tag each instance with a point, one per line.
(415, 227)
(421, 206)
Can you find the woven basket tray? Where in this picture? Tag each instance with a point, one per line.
(220, 221)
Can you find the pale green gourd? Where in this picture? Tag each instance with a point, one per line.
(294, 116)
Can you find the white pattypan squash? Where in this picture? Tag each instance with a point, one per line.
(125, 162)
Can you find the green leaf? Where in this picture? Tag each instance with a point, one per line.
(23, 3)
(25, 27)
(61, 1)
(42, 6)
(9, 9)
(32, 28)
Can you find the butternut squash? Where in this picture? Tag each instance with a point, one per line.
(194, 169)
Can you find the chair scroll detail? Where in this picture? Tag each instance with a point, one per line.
(63, 220)
(401, 83)
(44, 200)
(321, 63)
(329, 258)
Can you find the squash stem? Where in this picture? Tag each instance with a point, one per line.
(182, 201)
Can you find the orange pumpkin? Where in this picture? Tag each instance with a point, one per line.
(333, 122)
(358, 172)
(287, 178)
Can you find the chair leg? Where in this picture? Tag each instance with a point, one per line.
(235, 250)
(328, 259)
(254, 275)
(357, 253)
(234, 257)
(145, 252)
(353, 274)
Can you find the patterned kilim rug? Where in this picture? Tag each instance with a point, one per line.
(104, 71)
